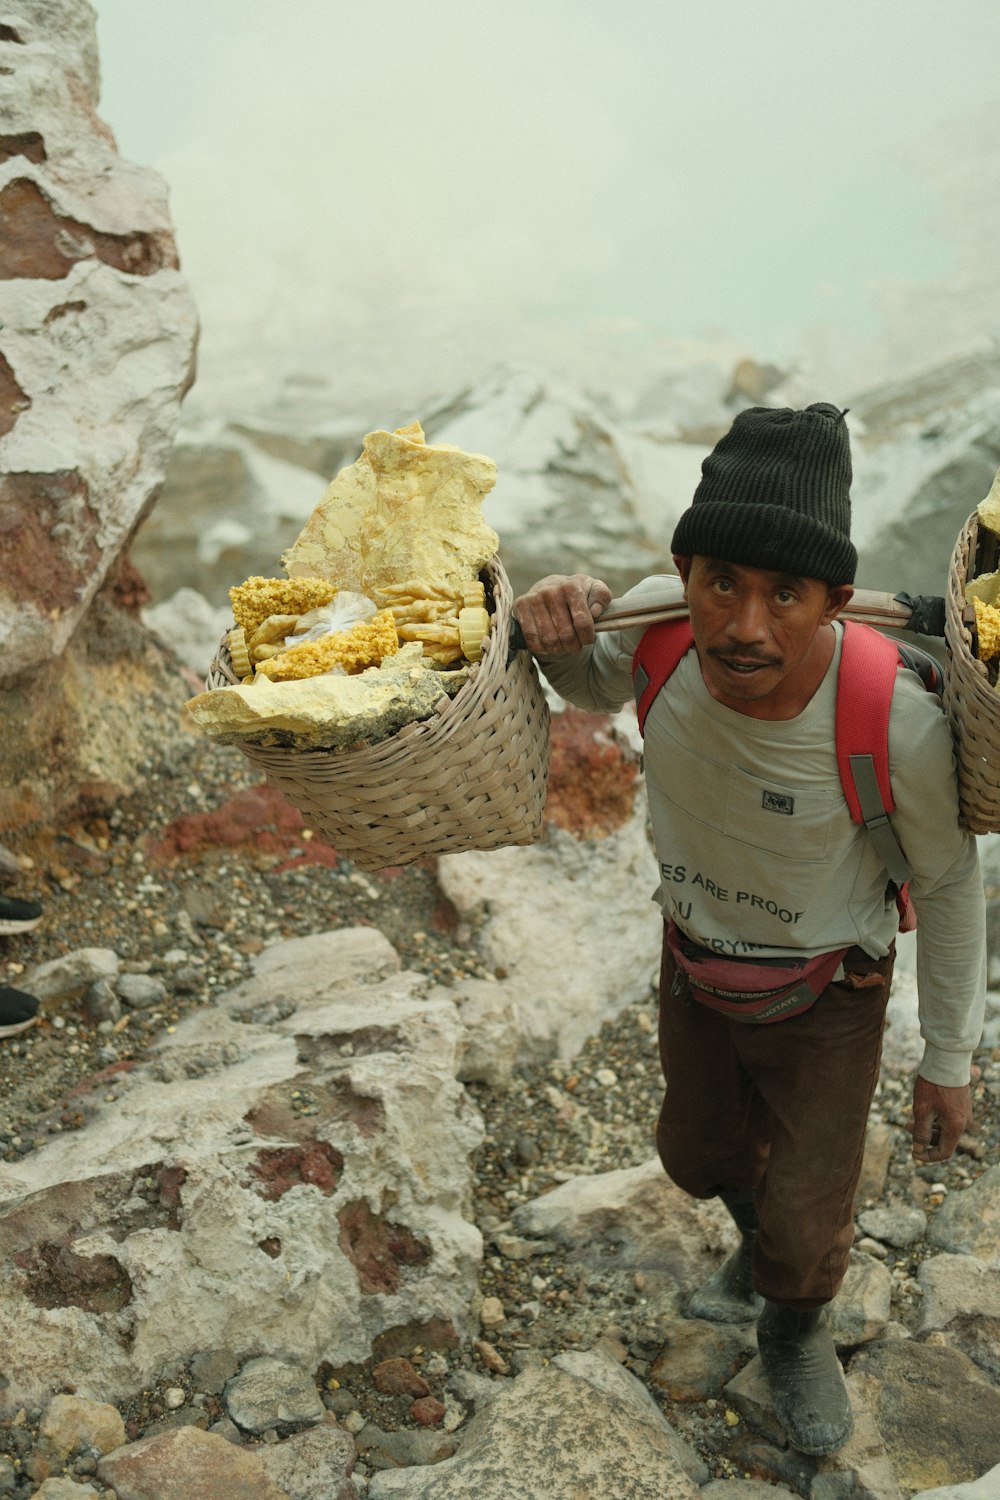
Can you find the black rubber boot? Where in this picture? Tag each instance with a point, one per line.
(728, 1295)
(804, 1374)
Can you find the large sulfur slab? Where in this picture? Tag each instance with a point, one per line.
(989, 509)
(334, 709)
(406, 509)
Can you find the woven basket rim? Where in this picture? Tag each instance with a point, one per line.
(473, 775)
(451, 710)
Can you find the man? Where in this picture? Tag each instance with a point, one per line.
(761, 863)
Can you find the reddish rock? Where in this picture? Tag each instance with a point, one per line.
(377, 1248)
(257, 820)
(187, 1464)
(592, 775)
(26, 143)
(58, 1277)
(277, 1114)
(35, 564)
(428, 1411)
(168, 1183)
(398, 1377)
(313, 1163)
(431, 1333)
(37, 241)
(13, 400)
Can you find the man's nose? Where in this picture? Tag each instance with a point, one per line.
(749, 623)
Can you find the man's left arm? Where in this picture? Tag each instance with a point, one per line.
(947, 892)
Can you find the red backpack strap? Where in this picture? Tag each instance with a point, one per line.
(868, 666)
(657, 654)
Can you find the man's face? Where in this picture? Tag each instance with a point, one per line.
(763, 638)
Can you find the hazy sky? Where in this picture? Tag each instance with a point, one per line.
(634, 170)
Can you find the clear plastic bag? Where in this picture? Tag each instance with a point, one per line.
(344, 611)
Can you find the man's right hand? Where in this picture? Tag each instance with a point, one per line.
(558, 613)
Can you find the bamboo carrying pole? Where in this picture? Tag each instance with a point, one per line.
(871, 607)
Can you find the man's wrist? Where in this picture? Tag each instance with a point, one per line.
(949, 1070)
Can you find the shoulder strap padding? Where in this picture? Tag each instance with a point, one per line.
(659, 650)
(868, 665)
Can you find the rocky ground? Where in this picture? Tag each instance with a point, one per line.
(207, 862)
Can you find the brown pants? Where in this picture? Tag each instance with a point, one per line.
(781, 1109)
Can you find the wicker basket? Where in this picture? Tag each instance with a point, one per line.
(472, 777)
(972, 701)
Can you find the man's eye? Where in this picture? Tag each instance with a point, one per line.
(785, 596)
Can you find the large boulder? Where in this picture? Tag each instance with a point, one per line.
(97, 335)
(97, 339)
(288, 1176)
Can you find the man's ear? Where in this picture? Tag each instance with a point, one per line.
(683, 566)
(837, 600)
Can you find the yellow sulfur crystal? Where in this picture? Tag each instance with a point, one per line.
(257, 598)
(987, 629)
(364, 645)
(406, 510)
(986, 587)
(989, 509)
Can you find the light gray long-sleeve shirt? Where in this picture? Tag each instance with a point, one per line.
(757, 850)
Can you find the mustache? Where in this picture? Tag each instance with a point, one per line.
(746, 658)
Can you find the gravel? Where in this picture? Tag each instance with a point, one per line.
(204, 917)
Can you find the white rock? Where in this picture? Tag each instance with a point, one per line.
(861, 1309)
(66, 977)
(190, 626)
(585, 1405)
(634, 1217)
(956, 1286)
(491, 1039)
(573, 489)
(986, 1487)
(174, 1195)
(968, 1221)
(269, 1393)
(564, 912)
(894, 1223)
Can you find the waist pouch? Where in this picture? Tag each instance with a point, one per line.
(749, 990)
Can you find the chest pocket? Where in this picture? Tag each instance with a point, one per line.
(791, 822)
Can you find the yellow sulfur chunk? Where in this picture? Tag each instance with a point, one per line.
(985, 586)
(987, 629)
(423, 609)
(415, 588)
(473, 628)
(362, 646)
(988, 510)
(430, 631)
(444, 655)
(272, 630)
(238, 654)
(257, 598)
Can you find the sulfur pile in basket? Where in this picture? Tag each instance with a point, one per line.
(382, 610)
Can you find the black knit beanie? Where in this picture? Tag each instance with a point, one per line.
(775, 494)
